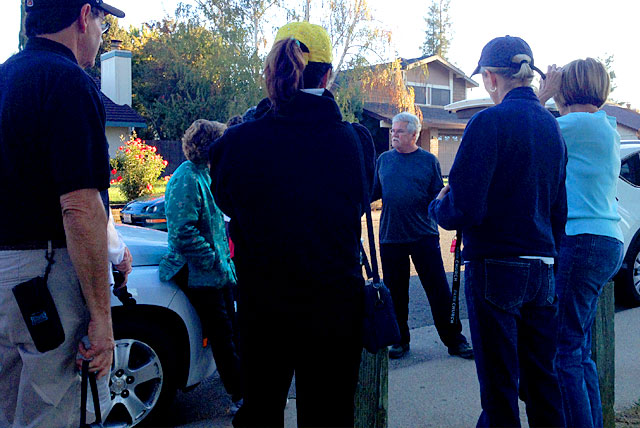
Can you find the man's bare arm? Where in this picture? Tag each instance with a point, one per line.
(85, 225)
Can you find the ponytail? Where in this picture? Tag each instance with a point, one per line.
(524, 73)
(521, 73)
(283, 71)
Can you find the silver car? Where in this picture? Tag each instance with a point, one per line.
(159, 342)
(628, 279)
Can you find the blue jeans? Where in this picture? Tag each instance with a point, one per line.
(585, 264)
(513, 308)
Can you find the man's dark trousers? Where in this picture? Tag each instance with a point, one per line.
(427, 259)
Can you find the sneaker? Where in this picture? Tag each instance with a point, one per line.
(235, 406)
(398, 351)
(462, 350)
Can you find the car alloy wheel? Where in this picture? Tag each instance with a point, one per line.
(135, 383)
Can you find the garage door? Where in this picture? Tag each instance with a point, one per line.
(448, 145)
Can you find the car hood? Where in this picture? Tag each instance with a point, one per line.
(147, 246)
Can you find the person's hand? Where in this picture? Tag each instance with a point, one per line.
(443, 192)
(124, 267)
(550, 86)
(101, 352)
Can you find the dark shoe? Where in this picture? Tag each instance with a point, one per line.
(462, 350)
(398, 351)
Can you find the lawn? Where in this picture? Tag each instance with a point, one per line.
(117, 197)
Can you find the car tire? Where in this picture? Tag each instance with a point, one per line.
(628, 279)
(143, 375)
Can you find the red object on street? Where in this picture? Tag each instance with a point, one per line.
(453, 246)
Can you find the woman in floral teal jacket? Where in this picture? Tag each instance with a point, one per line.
(199, 259)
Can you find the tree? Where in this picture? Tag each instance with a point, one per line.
(355, 35)
(349, 91)
(385, 84)
(194, 67)
(438, 33)
(256, 11)
(607, 61)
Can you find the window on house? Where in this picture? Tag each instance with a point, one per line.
(420, 93)
(439, 97)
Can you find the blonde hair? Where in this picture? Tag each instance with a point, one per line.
(584, 81)
(524, 74)
(198, 137)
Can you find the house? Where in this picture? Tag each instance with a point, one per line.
(436, 83)
(628, 121)
(115, 90)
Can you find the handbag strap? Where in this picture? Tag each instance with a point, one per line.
(49, 257)
(83, 395)
(366, 206)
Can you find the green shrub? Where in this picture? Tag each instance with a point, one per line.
(136, 167)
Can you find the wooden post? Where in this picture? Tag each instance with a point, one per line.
(372, 393)
(603, 352)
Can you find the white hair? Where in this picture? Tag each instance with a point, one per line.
(413, 123)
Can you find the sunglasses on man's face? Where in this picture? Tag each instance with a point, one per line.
(104, 26)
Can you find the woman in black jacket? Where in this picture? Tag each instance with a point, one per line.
(291, 183)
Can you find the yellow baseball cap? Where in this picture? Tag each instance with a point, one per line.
(314, 37)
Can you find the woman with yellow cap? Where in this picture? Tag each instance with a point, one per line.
(291, 183)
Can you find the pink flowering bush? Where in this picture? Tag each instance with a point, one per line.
(136, 167)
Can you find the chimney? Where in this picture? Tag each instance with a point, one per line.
(115, 80)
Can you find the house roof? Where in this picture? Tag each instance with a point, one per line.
(120, 115)
(426, 59)
(434, 117)
(624, 116)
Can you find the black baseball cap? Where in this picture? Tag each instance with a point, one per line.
(35, 5)
(500, 51)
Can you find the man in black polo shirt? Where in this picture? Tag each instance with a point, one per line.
(53, 166)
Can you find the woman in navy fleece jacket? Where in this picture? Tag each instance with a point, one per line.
(506, 193)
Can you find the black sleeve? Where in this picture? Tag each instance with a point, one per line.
(218, 170)
(377, 186)
(77, 143)
(369, 153)
(436, 181)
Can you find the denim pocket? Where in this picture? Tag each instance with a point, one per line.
(506, 282)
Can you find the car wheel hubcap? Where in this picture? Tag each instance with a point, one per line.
(135, 382)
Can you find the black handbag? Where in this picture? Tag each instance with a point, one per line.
(380, 326)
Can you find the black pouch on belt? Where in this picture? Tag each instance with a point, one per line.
(39, 311)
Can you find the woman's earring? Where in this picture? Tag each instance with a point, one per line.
(492, 90)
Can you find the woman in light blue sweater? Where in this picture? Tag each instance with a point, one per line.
(591, 252)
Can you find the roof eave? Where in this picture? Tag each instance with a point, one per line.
(115, 124)
(446, 63)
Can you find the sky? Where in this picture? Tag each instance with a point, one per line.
(558, 31)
